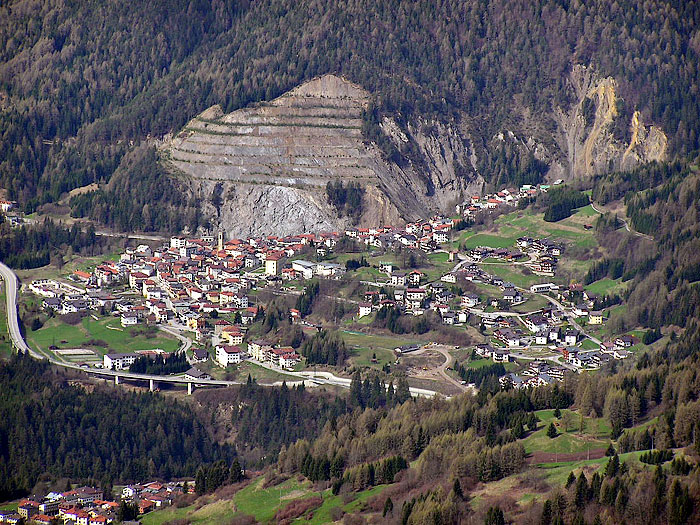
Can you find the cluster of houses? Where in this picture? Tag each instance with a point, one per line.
(543, 254)
(618, 348)
(155, 495)
(189, 278)
(6, 206)
(426, 235)
(259, 350)
(89, 506)
(538, 373)
(413, 298)
(64, 298)
(504, 199)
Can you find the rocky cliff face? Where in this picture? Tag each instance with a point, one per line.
(271, 163)
(586, 135)
(265, 168)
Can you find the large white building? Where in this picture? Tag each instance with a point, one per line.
(228, 355)
(119, 361)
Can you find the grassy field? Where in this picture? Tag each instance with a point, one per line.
(481, 363)
(606, 286)
(262, 504)
(534, 302)
(587, 344)
(362, 356)
(323, 513)
(509, 227)
(490, 240)
(107, 329)
(76, 262)
(361, 340)
(594, 436)
(557, 473)
(516, 276)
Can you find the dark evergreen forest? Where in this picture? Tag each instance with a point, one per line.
(80, 87)
(47, 426)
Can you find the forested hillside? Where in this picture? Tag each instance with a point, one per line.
(47, 426)
(663, 263)
(454, 446)
(80, 87)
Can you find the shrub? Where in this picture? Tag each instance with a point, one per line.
(296, 508)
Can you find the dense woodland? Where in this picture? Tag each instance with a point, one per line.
(78, 92)
(561, 203)
(175, 363)
(459, 442)
(39, 244)
(662, 265)
(47, 426)
(268, 418)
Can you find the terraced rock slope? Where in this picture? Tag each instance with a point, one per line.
(271, 163)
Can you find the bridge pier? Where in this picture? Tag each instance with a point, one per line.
(190, 388)
(116, 380)
(151, 385)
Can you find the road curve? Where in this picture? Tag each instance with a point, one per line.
(12, 300)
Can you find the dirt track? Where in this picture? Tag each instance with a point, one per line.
(436, 372)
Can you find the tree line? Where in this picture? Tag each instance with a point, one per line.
(35, 245)
(175, 363)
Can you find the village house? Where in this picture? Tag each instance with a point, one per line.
(199, 354)
(258, 349)
(228, 355)
(365, 309)
(398, 279)
(469, 300)
(118, 361)
(194, 374)
(595, 317)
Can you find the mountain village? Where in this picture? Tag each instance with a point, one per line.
(207, 286)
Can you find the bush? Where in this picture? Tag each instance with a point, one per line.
(96, 342)
(274, 480)
(72, 318)
(297, 508)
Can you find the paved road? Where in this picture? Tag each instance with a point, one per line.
(12, 298)
(186, 341)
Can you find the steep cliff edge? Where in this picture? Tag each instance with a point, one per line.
(595, 135)
(265, 168)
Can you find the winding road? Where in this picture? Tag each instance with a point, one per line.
(625, 222)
